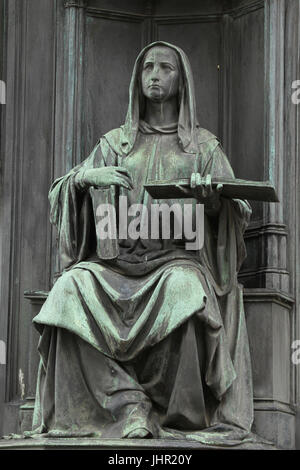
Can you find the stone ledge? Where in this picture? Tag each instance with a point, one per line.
(120, 444)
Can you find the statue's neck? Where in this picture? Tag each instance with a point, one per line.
(161, 114)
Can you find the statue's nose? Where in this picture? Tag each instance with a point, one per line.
(155, 74)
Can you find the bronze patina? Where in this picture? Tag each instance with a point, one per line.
(147, 339)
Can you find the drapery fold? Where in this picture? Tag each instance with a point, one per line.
(122, 314)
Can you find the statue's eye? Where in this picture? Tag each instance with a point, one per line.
(167, 67)
(148, 66)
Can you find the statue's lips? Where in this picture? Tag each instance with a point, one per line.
(154, 86)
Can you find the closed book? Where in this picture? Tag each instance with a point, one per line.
(232, 188)
(103, 200)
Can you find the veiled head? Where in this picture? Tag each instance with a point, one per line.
(176, 82)
(160, 74)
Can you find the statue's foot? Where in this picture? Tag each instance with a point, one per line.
(139, 433)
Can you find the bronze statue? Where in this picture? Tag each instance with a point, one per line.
(151, 342)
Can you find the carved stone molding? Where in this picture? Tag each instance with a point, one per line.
(27, 158)
(68, 97)
(274, 119)
(77, 4)
(269, 295)
(36, 299)
(115, 15)
(12, 233)
(292, 167)
(265, 404)
(73, 62)
(269, 316)
(246, 8)
(261, 264)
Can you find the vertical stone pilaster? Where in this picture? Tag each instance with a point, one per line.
(276, 275)
(69, 75)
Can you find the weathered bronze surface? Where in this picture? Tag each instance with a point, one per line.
(236, 188)
(151, 343)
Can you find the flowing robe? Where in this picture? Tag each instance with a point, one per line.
(156, 338)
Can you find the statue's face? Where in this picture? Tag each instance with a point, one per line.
(160, 74)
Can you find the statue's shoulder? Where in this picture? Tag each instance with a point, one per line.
(205, 136)
(114, 139)
(114, 134)
(207, 139)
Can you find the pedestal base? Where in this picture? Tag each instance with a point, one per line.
(119, 444)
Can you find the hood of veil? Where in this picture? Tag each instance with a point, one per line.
(187, 122)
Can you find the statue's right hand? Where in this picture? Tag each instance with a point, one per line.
(106, 176)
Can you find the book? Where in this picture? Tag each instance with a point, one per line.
(235, 188)
(107, 248)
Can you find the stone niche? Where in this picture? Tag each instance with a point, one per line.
(238, 51)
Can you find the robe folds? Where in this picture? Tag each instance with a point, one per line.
(154, 338)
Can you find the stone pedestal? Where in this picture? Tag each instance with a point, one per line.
(119, 444)
(268, 315)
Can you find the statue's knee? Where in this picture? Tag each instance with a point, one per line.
(181, 276)
(66, 283)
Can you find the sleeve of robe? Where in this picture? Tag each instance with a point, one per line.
(71, 208)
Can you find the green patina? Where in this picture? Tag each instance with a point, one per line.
(151, 340)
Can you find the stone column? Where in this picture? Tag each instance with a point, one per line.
(36, 298)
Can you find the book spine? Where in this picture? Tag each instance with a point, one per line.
(104, 198)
